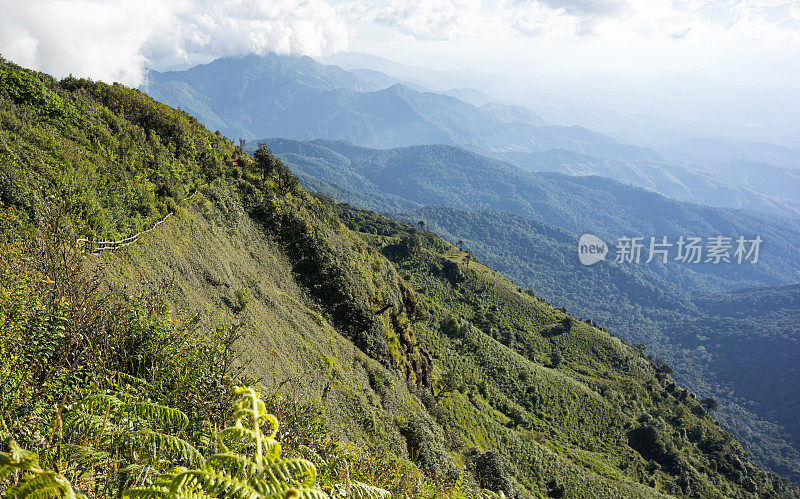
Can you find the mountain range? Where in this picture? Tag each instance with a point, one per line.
(299, 98)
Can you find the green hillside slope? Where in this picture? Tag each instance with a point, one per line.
(648, 304)
(430, 366)
(517, 356)
(740, 348)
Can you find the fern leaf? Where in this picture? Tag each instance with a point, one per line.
(291, 472)
(98, 403)
(44, 484)
(361, 490)
(147, 493)
(5, 471)
(52, 492)
(161, 442)
(125, 378)
(156, 413)
(213, 482)
(191, 494)
(298, 494)
(237, 437)
(235, 464)
(84, 457)
(19, 458)
(88, 425)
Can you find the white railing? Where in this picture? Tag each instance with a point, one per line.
(93, 247)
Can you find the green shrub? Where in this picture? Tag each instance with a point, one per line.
(494, 472)
(425, 442)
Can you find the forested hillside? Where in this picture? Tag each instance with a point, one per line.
(408, 177)
(715, 342)
(659, 306)
(395, 365)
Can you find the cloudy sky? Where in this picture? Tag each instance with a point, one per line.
(735, 40)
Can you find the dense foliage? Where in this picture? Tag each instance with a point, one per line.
(715, 342)
(111, 156)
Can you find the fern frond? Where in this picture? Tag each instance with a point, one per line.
(157, 441)
(43, 485)
(125, 378)
(360, 490)
(299, 494)
(84, 457)
(249, 467)
(138, 475)
(250, 405)
(156, 413)
(165, 479)
(238, 437)
(147, 493)
(235, 464)
(100, 402)
(5, 471)
(87, 425)
(216, 483)
(291, 472)
(19, 458)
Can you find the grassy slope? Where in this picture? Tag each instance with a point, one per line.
(330, 312)
(207, 255)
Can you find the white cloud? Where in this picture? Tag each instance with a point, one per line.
(115, 40)
(207, 28)
(86, 37)
(570, 19)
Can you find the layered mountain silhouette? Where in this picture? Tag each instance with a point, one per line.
(297, 97)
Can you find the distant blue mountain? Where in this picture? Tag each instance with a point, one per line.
(299, 98)
(283, 96)
(411, 177)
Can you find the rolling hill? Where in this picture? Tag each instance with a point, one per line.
(408, 177)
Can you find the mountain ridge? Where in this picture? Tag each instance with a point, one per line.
(302, 99)
(542, 257)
